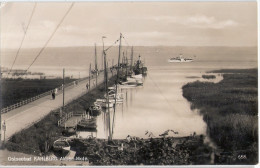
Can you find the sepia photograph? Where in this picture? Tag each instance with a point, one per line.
(119, 83)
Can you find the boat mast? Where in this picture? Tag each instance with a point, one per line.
(107, 96)
(96, 62)
(132, 57)
(126, 63)
(117, 76)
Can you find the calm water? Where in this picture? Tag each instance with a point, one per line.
(158, 105)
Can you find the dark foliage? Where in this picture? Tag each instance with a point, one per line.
(209, 76)
(153, 151)
(15, 90)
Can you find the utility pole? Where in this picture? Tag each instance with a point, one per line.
(89, 75)
(63, 88)
(112, 67)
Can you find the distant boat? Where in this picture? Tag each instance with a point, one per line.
(180, 59)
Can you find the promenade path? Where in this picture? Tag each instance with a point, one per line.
(23, 117)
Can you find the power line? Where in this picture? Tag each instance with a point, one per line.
(51, 36)
(18, 51)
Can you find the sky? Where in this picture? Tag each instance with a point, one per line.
(141, 23)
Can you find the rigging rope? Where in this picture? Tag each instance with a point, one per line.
(126, 41)
(18, 51)
(112, 45)
(51, 36)
(128, 46)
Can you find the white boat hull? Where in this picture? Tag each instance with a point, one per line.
(180, 61)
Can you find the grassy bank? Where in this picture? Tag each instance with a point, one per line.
(230, 109)
(16, 90)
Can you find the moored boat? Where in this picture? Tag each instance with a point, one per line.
(88, 123)
(139, 67)
(94, 110)
(61, 145)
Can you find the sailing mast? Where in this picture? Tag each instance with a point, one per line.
(96, 69)
(126, 67)
(117, 76)
(132, 57)
(107, 96)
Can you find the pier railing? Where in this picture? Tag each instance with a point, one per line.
(24, 102)
(62, 121)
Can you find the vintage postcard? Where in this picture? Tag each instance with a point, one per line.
(129, 83)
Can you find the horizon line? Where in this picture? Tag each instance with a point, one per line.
(138, 46)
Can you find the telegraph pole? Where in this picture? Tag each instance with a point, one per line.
(89, 75)
(112, 67)
(63, 88)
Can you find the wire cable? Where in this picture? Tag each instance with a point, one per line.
(126, 41)
(51, 36)
(18, 51)
(112, 45)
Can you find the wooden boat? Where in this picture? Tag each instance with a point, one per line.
(103, 103)
(61, 145)
(111, 100)
(94, 110)
(107, 105)
(88, 123)
(69, 132)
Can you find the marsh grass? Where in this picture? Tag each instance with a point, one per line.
(230, 109)
(15, 90)
(209, 76)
